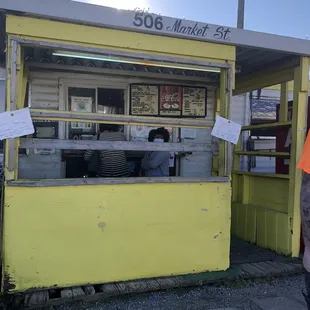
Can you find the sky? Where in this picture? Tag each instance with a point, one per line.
(283, 17)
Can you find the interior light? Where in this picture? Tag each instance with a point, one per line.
(144, 62)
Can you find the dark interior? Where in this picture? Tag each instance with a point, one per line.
(112, 98)
(76, 167)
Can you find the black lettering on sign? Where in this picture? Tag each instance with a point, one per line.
(194, 31)
(148, 21)
(222, 33)
(179, 26)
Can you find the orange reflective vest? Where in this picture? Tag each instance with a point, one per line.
(304, 163)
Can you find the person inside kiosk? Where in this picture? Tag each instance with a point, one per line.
(107, 164)
(156, 164)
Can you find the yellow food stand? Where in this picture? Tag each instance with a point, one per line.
(62, 231)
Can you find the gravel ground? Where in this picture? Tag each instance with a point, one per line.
(237, 295)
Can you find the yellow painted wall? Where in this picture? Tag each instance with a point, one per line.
(117, 39)
(260, 212)
(68, 236)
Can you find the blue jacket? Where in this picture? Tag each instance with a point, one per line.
(156, 164)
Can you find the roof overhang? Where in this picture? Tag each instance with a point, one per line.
(89, 14)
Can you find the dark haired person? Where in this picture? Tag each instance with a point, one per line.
(110, 163)
(156, 164)
(152, 135)
(304, 165)
(163, 133)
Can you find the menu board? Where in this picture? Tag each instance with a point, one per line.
(144, 100)
(194, 102)
(170, 100)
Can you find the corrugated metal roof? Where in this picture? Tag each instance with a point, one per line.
(249, 60)
(46, 56)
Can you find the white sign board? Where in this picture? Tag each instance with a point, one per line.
(226, 130)
(15, 124)
(81, 104)
(188, 133)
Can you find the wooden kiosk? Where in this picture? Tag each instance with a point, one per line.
(72, 231)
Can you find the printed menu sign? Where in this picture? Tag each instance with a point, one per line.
(81, 104)
(144, 100)
(194, 102)
(170, 100)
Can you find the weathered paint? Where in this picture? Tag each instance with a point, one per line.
(67, 236)
(265, 210)
(117, 40)
(284, 102)
(299, 127)
(224, 98)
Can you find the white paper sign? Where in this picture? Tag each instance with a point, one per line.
(226, 130)
(81, 104)
(188, 133)
(15, 124)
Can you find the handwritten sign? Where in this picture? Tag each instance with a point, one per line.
(159, 23)
(226, 130)
(15, 124)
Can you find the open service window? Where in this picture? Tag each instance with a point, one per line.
(137, 122)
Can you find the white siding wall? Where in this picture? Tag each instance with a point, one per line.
(241, 114)
(200, 164)
(44, 94)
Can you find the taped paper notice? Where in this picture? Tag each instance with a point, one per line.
(226, 130)
(15, 124)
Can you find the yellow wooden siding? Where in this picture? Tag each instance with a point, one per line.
(272, 194)
(68, 236)
(117, 39)
(244, 221)
(260, 212)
